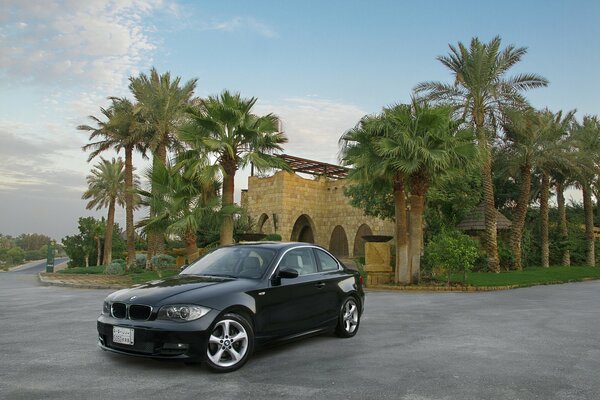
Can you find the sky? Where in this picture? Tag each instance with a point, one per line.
(319, 65)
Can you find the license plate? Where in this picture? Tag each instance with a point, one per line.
(123, 335)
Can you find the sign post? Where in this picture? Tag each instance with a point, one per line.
(50, 257)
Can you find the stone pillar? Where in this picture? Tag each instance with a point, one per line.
(378, 263)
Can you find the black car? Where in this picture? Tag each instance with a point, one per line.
(232, 298)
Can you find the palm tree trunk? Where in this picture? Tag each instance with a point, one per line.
(402, 273)
(521, 214)
(98, 250)
(129, 207)
(490, 237)
(229, 167)
(191, 250)
(545, 193)
(562, 221)
(87, 260)
(417, 203)
(589, 225)
(110, 221)
(155, 239)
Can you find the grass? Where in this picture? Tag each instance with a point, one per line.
(530, 276)
(136, 277)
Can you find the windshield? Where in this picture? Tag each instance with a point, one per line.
(233, 262)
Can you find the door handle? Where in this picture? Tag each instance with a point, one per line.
(320, 285)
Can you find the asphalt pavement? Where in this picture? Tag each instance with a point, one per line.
(532, 343)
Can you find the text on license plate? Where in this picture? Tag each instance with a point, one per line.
(123, 335)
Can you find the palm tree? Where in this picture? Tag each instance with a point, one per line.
(535, 141)
(426, 143)
(106, 188)
(121, 130)
(183, 204)
(224, 127)
(161, 102)
(360, 150)
(481, 92)
(586, 139)
(411, 143)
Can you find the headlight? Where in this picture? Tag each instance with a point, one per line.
(182, 312)
(106, 308)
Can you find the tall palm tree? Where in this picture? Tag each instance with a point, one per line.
(536, 140)
(426, 143)
(106, 189)
(183, 201)
(359, 149)
(411, 143)
(481, 92)
(224, 127)
(161, 102)
(586, 139)
(121, 130)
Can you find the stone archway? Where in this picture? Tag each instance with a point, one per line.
(338, 244)
(264, 225)
(303, 230)
(359, 242)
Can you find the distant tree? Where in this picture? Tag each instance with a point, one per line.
(32, 241)
(15, 255)
(106, 189)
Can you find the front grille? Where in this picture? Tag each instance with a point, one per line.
(139, 312)
(119, 310)
(136, 312)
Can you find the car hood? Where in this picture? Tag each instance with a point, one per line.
(192, 289)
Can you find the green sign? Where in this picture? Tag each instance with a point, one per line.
(50, 257)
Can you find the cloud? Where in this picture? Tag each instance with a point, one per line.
(68, 42)
(313, 125)
(236, 24)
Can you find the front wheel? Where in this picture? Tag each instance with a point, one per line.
(349, 318)
(229, 344)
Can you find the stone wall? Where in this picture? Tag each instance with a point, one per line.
(290, 205)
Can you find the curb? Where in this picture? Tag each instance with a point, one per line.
(50, 282)
(392, 288)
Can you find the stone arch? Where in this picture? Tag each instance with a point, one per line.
(303, 230)
(338, 244)
(264, 225)
(359, 242)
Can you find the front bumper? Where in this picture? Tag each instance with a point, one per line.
(158, 339)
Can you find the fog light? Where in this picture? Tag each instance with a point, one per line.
(175, 346)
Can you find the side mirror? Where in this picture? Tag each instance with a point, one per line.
(287, 273)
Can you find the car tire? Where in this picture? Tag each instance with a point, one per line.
(348, 319)
(229, 343)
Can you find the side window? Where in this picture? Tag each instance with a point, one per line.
(326, 262)
(302, 260)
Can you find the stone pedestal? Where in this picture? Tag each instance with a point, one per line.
(378, 263)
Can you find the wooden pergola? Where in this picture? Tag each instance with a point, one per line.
(317, 168)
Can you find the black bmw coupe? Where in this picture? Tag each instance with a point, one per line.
(218, 308)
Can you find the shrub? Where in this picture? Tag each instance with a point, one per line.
(162, 261)
(116, 267)
(140, 261)
(452, 252)
(273, 237)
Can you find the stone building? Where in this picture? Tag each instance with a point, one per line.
(311, 210)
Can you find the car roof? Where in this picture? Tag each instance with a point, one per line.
(274, 245)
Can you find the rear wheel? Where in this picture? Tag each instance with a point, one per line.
(229, 344)
(348, 319)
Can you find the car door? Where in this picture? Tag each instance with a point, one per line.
(292, 305)
(330, 295)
